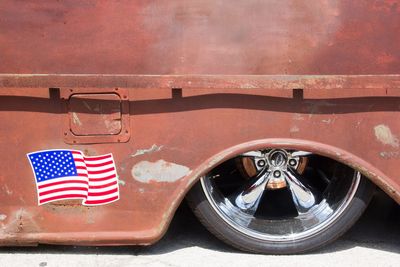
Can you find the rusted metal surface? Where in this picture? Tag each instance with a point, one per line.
(265, 82)
(200, 37)
(199, 103)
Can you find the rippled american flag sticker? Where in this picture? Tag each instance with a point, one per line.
(69, 174)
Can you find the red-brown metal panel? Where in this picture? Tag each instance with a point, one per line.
(174, 128)
(200, 37)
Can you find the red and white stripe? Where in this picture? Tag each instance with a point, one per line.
(64, 188)
(101, 175)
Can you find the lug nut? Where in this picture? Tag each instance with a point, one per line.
(277, 174)
(261, 163)
(292, 162)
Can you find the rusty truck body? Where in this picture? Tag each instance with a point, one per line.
(276, 119)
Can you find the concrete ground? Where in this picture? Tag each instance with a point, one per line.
(373, 241)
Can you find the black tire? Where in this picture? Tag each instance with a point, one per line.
(218, 226)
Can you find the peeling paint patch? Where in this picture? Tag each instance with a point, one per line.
(8, 191)
(385, 135)
(359, 123)
(152, 149)
(21, 220)
(113, 126)
(3, 217)
(298, 117)
(328, 121)
(121, 182)
(294, 129)
(247, 86)
(159, 171)
(390, 154)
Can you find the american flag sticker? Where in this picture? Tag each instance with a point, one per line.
(69, 174)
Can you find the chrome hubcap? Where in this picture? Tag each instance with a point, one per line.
(277, 168)
(318, 196)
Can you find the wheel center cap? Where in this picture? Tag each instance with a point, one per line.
(278, 158)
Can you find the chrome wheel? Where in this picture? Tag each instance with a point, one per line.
(280, 197)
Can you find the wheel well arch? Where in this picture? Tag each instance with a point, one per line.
(365, 168)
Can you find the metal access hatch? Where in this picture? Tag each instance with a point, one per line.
(96, 115)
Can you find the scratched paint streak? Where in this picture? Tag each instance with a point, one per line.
(159, 171)
(76, 119)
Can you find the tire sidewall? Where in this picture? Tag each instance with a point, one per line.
(220, 228)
